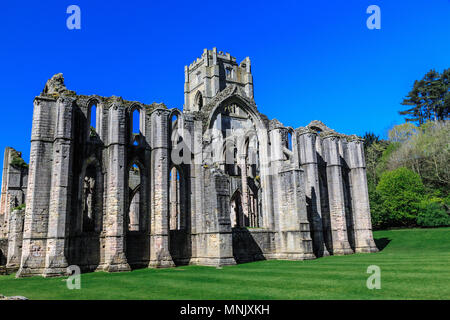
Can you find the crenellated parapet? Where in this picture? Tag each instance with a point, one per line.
(210, 74)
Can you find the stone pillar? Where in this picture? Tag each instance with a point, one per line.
(197, 186)
(294, 229)
(60, 193)
(173, 199)
(4, 196)
(187, 105)
(266, 180)
(309, 164)
(159, 239)
(244, 195)
(114, 226)
(38, 190)
(339, 235)
(292, 232)
(15, 240)
(360, 198)
(248, 79)
(215, 77)
(274, 167)
(215, 241)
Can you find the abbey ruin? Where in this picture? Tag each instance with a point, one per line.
(113, 184)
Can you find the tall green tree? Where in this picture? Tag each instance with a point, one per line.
(429, 98)
(370, 138)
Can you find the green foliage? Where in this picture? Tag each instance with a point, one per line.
(18, 162)
(370, 138)
(402, 132)
(373, 155)
(432, 214)
(379, 219)
(429, 98)
(426, 152)
(92, 132)
(382, 164)
(20, 207)
(400, 193)
(409, 175)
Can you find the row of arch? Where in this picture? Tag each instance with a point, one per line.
(85, 245)
(136, 115)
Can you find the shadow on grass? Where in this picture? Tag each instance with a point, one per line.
(382, 243)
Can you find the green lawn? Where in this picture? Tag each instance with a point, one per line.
(415, 264)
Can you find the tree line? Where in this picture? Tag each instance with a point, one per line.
(409, 173)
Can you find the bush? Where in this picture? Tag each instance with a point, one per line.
(18, 162)
(426, 151)
(376, 209)
(432, 214)
(399, 193)
(20, 207)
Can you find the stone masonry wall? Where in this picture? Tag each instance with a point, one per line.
(304, 196)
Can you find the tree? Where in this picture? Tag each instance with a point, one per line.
(400, 194)
(426, 151)
(369, 139)
(429, 98)
(402, 132)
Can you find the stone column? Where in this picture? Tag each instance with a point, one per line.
(114, 226)
(60, 195)
(4, 196)
(197, 187)
(360, 198)
(38, 190)
(244, 195)
(215, 241)
(15, 240)
(266, 183)
(295, 241)
(309, 163)
(292, 232)
(159, 239)
(173, 199)
(335, 185)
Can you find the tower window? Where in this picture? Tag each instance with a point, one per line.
(229, 72)
(199, 100)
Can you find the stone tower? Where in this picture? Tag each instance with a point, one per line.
(212, 73)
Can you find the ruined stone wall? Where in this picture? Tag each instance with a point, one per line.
(305, 196)
(14, 186)
(15, 238)
(3, 251)
(336, 190)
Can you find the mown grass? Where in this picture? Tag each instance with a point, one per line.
(415, 264)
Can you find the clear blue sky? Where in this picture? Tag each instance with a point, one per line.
(310, 59)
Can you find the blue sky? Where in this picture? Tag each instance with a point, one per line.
(310, 59)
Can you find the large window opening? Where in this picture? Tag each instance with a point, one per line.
(89, 199)
(93, 121)
(135, 204)
(289, 141)
(135, 126)
(136, 123)
(176, 200)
